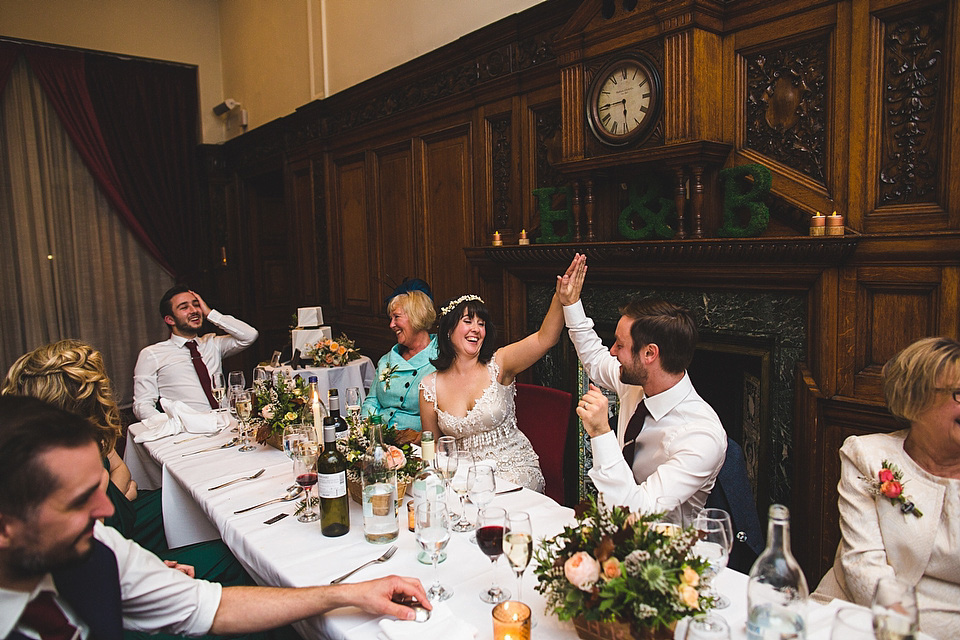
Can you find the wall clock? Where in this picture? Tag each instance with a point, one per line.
(624, 100)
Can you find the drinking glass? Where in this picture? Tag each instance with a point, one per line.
(711, 546)
(492, 523)
(244, 405)
(305, 455)
(218, 387)
(236, 379)
(458, 482)
(352, 401)
(706, 626)
(518, 545)
(721, 601)
(481, 484)
(671, 517)
(851, 623)
(432, 526)
(447, 461)
(895, 615)
(292, 436)
(260, 375)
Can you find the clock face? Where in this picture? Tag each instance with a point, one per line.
(624, 100)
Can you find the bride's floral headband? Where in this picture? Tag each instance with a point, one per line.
(454, 303)
(889, 484)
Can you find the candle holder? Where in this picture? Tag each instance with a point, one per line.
(497, 242)
(834, 224)
(817, 224)
(511, 621)
(523, 239)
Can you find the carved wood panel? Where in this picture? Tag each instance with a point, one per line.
(396, 219)
(355, 243)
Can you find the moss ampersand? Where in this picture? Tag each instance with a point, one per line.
(647, 215)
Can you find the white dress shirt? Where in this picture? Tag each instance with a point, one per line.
(155, 597)
(165, 369)
(682, 445)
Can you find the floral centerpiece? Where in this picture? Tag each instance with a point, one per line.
(278, 405)
(399, 447)
(621, 568)
(332, 353)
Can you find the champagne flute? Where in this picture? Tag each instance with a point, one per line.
(432, 526)
(518, 545)
(304, 465)
(711, 546)
(490, 540)
(721, 601)
(458, 482)
(895, 614)
(244, 404)
(219, 388)
(352, 401)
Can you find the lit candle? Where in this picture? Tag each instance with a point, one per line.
(511, 621)
(834, 224)
(523, 237)
(497, 242)
(817, 224)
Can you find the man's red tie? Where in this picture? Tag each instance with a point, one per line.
(633, 430)
(202, 373)
(45, 617)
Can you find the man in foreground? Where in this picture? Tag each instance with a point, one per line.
(669, 442)
(61, 570)
(180, 367)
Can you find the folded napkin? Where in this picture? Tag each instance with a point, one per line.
(442, 625)
(178, 417)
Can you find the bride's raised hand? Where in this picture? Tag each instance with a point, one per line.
(570, 283)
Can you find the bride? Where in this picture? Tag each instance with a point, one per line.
(471, 395)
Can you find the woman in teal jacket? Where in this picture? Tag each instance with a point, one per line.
(394, 394)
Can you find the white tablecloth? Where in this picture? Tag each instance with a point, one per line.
(358, 373)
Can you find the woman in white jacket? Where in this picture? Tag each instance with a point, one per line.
(900, 492)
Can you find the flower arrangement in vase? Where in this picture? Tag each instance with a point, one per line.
(332, 353)
(278, 405)
(399, 447)
(617, 568)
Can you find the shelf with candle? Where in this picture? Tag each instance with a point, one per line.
(524, 239)
(817, 224)
(834, 224)
(497, 241)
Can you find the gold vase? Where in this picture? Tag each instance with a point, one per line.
(597, 630)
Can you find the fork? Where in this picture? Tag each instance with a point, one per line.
(227, 484)
(386, 556)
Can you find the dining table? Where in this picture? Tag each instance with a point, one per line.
(358, 373)
(278, 550)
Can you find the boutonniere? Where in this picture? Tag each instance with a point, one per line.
(387, 374)
(889, 484)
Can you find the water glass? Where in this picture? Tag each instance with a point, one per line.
(671, 513)
(711, 546)
(707, 626)
(721, 601)
(852, 623)
(894, 607)
(432, 526)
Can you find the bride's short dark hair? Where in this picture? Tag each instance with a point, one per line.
(474, 308)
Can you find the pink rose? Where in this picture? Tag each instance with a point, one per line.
(689, 596)
(610, 568)
(885, 475)
(395, 458)
(581, 570)
(891, 489)
(267, 412)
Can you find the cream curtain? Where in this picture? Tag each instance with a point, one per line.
(68, 266)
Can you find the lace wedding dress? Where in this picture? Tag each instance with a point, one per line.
(489, 430)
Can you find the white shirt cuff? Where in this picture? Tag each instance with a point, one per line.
(606, 449)
(574, 314)
(214, 316)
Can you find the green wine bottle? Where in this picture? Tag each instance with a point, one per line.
(332, 484)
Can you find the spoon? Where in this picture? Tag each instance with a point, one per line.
(227, 484)
(225, 445)
(292, 494)
(386, 556)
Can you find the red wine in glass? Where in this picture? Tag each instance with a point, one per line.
(490, 540)
(307, 480)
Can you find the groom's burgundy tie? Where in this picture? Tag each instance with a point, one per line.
(202, 373)
(633, 430)
(46, 618)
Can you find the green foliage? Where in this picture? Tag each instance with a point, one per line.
(278, 405)
(645, 217)
(734, 200)
(550, 218)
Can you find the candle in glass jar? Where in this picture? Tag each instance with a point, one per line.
(511, 621)
(834, 224)
(497, 242)
(523, 237)
(817, 224)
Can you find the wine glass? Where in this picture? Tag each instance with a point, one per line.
(236, 379)
(260, 376)
(481, 487)
(895, 615)
(518, 545)
(851, 623)
(219, 388)
(458, 482)
(492, 523)
(244, 405)
(711, 546)
(305, 455)
(432, 526)
(721, 601)
(292, 435)
(706, 626)
(352, 401)
(671, 518)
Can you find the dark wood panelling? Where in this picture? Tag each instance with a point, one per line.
(355, 247)
(396, 218)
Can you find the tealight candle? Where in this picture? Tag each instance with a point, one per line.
(834, 224)
(523, 237)
(511, 621)
(497, 242)
(817, 224)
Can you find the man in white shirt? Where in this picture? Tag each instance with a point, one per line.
(677, 444)
(63, 574)
(167, 369)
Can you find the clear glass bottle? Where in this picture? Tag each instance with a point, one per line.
(333, 402)
(380, 524)
(428, 483)
(332, 484)
(777, 589)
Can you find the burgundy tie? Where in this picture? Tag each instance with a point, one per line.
(202, 373)
(45, 617)
(633, 430)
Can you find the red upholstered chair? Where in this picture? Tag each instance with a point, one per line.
(543, 414)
